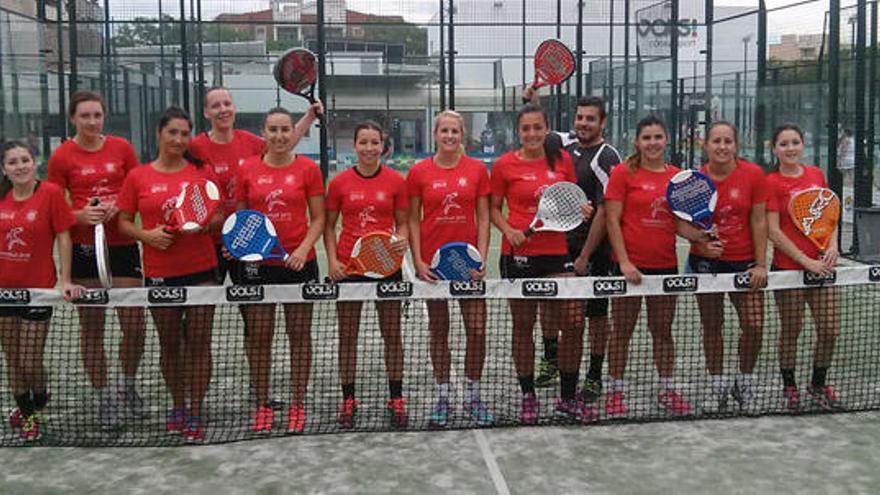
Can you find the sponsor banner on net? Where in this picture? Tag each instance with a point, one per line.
(467, 288)
(684, 283)
(314, 291)
(245, 293)
(540, 288)
(388, 290)
(167, 295)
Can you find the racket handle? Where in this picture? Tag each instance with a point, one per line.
(528, 232)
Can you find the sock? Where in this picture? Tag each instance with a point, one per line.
(527, 384)
(25, 404)
(819, 376)
(550, 347)
(568, 385)
(443, 391)
(719, 384)
(395, 388)
(473, 389)
(348, 391)
(617, 384)
(666, 384)
(40, 400)
(595, 371)
(788, 377)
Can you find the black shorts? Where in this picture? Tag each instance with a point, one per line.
(512, 267)
(28, 313)
(699, 264)
(198, 278)
(394, 277)
(233, 267)
(615, 271)
(125, 261)
(260, 274)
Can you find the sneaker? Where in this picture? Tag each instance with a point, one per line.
(577, 410)
(673, 403)
(615, 406)
(29, 430)
(548, 374)
(744, 394)
(108, 419)
(479, 412)
(396, 410)
(175, 421)
(591, 390)
(195, 430)
(296, 419)
(715, 402)
(791, 399)
(15, 418)
(347, 413)
(262, 420)
(132, 402)
(528, 414)
(440, 414)
(825, 397)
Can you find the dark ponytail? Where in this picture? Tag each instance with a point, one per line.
(552, 143)
(174, 113)
(6, 182)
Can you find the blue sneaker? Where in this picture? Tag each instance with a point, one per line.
(440, 414)
(478, 412)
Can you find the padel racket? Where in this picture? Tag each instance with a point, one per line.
(455, 260)
(559, 209)
(195, 206)
(554, 63)
(692, 196)
(815, 212)
(297, 73)
(249, 235)
(102, 252)
(372, 256)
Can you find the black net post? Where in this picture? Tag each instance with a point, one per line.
(835, 178)
(673, 99)
(62, 93)
(579, 50)
(760, 112)
(74, 45)
(558, 89)
(451, 55)
(442, 57)
(710, 21)
(625, 113)
(322, 88)
(184, 58)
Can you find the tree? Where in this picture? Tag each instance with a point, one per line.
(143, 31)
(414, 37)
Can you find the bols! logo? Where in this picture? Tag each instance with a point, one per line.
(244, 293)
(874, 274)
(609, 287)
(742, 280)
(813, 279)
(467, 288)
(394, 289)
(15, 296)
(540, 288)
(93, 296)
(314, 291)
(167, 295)
(680, 284)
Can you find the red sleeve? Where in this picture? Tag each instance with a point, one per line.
(131, 159)
(314, 181)
(483, 184)
(57, 168)
(616, 189)
(127, 200)
(333, 196)
(62, 215)
(414, 182)
(567, 168)
(759, 187)
(256, 144)
(772, 193)
(401, 199)
(821, 177)
(497, 181)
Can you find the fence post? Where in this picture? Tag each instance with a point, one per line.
(451, 56)
(579, 52)
(184, 55)
(442, 59)
(673, 97)
(322, 90)
(760, 83)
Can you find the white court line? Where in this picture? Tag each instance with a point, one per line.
(491, 463)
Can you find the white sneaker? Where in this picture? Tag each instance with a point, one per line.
(744, 392)
(715, 401)
(108, 418)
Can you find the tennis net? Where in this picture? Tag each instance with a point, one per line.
(847, 303)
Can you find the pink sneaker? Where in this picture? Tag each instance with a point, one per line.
(791, 400)
(674, 403)
(175, 421)
(15, 418)
(296, 419)
(29, 430)
(528, 415)
(195, 430)
(396, 409)
(347, 413)
(263, 418)
(825, 397)
(615, 406)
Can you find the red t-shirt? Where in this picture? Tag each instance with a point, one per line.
(90, 174)
(781, 189)
(153, 194)
(744, 188)
(521, 183)
(367, 204)
(224, 159)
(27, 236)
(449, 201)
(281, 193)
(647, 223)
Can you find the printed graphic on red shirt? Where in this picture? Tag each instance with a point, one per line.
(27, 236)
(281, 193)
(153, 195)
(449, 202)
(521, 183)
(93, 174)
(366, 204)
(781, 189)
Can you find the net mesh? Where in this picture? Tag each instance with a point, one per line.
(842, 308)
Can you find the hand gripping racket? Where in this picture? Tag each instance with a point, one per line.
(297, 73)
(559, 209)
(249, 235)
(195, 206)
(455, 260)
(372, 257)
(554, 63)
(816, 213)
(691, 196)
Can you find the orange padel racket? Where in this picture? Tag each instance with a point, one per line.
(815, 212)
(195, 206)
(372, 257)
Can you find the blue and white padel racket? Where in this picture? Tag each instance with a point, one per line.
(249, 235)
(692, 196)
(455, 260)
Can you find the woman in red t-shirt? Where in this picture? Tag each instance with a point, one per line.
(33, 215)
(288, 189)
(369, 197)
(91, 166)
(740, 219)
(641, 230)
(519, 177)
(449, 202)
(174, 260)
(793, 251)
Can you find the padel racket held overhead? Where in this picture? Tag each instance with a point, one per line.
(372, 256)
(297, 72)
(816, 213)
(455, 260)
(692, 196)
(559, 209)
(554, 63)
(249, 235)
(195, 206)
